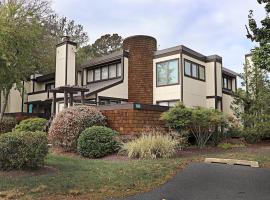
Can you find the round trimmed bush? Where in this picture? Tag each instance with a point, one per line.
(97, 141)
(32, 124)
(23, 150)
(69, 123)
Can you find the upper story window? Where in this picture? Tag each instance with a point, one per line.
(167, 72)
(104, 73)
(194, 70)
(49, 86)
(227, 83)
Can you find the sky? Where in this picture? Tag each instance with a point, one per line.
(207, 26)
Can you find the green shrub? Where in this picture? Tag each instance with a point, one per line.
(151, 146)
(230, 146)
(252, 135)
(7, 124)
(202, 123)
(97, 141)
(32, 124)
(22, 150)
(69, 123)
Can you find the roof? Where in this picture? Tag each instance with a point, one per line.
(229, 72)
(104, 59)
(186, 50)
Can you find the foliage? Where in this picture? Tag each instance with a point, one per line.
(251, 104)
(261, 35)
(97, 141)
(69, 123)
(151, 145)
(22, 52)
(22, 150)
(31, 49)
(104, 45)
(230, 146)
(32, 124)
(7, 124)
(201, 122)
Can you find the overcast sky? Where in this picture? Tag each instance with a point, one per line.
(207, 26)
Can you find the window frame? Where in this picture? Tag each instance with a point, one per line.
(191, 70)
(227, 83)
(168, 101)
(178, 73)
(99, 67)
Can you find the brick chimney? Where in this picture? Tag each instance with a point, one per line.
(140, 67)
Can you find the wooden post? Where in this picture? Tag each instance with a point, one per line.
(71, 99)
(54, 103)
(82, 98)
(65, 99)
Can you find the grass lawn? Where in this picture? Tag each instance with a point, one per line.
(95, 178)
(76, 178)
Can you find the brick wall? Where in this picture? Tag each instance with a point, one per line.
(140, 68)
(128, 120)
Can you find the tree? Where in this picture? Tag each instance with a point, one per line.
(55, 28)
(201, 122)
(261, 35)
(22, 44)
(104, 45)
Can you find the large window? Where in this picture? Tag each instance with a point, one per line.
(227, 83)
(194, 70)
(167, 73)
(104, 72)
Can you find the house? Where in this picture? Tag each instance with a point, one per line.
(139, 73)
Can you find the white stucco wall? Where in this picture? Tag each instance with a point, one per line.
(170, 92)
(194, 90)
(120, 90)
(227, 100)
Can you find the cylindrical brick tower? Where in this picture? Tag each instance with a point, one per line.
(140, 68)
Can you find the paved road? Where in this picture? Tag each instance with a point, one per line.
(213, 182)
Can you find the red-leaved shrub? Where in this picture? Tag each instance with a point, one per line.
(69, 123)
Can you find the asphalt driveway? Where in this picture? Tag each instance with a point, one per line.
(213, 181)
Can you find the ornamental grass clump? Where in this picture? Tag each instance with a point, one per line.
(69, 123)
(151, 146)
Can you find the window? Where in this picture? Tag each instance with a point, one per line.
(97, 74)
(112, 71)
(167, 73)
(201, 73)
(104, 73)
(119, 69)
(227, 83)
(188, 68)
(194, 70)
(90, 76)
(167, 103)
(49, 86)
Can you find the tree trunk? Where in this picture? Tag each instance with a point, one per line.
(4, 105)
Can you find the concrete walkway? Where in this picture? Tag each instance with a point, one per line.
(213, 182)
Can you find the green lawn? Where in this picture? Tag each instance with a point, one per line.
(97, 178)
(78, 178)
